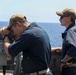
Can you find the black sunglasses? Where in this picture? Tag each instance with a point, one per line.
(61, 17)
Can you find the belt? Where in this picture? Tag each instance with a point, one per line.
(72, 65)
(38, 73)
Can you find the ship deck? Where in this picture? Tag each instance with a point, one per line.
(8, 72)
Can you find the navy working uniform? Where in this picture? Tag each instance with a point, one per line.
(35, 45)
(69, 48)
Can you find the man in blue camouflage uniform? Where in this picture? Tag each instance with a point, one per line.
(68, 56)
(33, 41)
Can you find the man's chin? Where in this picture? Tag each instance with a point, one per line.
(61, 24)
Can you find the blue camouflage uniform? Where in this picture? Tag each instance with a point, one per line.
(69, 48)
(35, 45)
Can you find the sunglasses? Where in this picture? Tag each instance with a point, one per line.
(61, 17)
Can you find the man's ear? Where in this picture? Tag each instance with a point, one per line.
(68, 18)
(19, 24)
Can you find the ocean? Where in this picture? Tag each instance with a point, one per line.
(54, 31)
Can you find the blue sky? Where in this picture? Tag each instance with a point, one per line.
(35, 10)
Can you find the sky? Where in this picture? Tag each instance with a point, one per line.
(34, 10)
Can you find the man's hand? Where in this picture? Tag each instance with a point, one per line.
(56, 49)
(64, 65)
(61, 66)
(4, 31)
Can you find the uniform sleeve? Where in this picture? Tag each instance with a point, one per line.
(71, 39)
(21, 44)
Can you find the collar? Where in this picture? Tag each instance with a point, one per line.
(70, 26)
(34, 24)
(65, 32)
